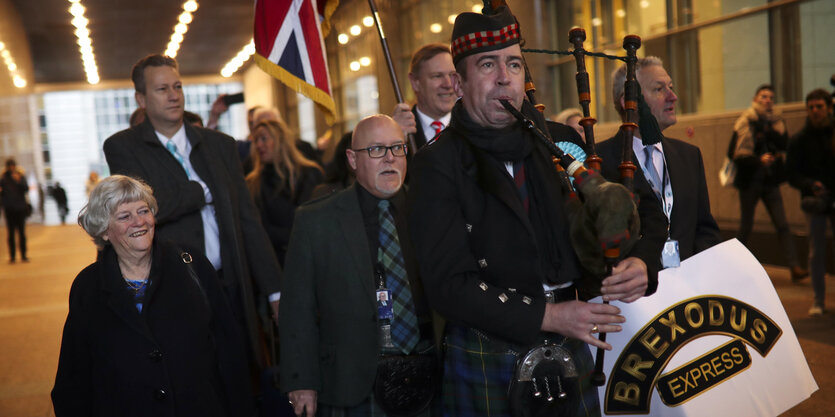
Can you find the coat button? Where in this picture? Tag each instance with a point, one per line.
(482, 263)
(160, 394)
(503, 297)
(155, 355)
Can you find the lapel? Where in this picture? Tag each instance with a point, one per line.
(351, 225)
(115, 295)
(200, 158)
(675, 164)
(167, 161)
(494, 179)
(420, 136)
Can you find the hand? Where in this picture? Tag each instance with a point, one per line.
(274, 308)
(767, 159)
(403, 115)
(303, 400)
(576, 319)
(218, 108)
(628, 281)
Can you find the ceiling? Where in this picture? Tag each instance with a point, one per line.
(123, 31)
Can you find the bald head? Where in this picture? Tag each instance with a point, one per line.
(381, 176)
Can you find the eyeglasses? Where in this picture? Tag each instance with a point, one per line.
(379, 151)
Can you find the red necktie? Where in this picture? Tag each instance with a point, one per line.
(438, 126)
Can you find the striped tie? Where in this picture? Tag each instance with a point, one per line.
(649, 167)
(172, 147)
(438, 126)
(404, 324)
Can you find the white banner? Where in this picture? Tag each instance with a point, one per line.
(713, 340)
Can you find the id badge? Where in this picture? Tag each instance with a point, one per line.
(670, 256)
(384, 311)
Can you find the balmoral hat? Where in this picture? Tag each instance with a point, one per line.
(474, 33)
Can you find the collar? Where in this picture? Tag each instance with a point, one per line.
(638, 146)
(180, 139)
(426, 122)
(368, 202)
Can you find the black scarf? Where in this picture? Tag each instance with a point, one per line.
(506, 144)
(514, 143)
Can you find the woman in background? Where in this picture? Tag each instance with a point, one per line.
(282, 178)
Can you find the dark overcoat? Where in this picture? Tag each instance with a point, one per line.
(474, 243)
(328, 314)
(245, 249)
(183, 355)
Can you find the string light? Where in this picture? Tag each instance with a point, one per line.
(181, 28)
(85, 44)
(17, 79)
(238, 61)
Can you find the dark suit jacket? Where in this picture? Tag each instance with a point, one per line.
(245, 249)
(328, 317)
(420, 136)
(477, 251)
(690, 222)
(182, 356)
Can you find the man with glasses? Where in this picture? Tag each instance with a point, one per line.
(347, 250)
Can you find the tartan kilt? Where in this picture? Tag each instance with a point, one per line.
(478, 370)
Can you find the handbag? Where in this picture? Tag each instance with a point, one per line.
(405, 385)
(727, 174)
(544, 383)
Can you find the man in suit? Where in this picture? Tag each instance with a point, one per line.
(491, 233)
(203, 200)
(338, 260)
(674, 205)
(430, 74)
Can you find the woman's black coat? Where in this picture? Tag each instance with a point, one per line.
(184, 355)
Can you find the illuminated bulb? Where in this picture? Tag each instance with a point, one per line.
(77, 10)
(19, 82)
(190, 6)
(435, 28)
(354, 66)
(12, 67)
(185, 18)
(93, 78)
(355, 30)
(368, 21)
(73, 1)
(5, 54)
(644, 4)
(596, 21)
(82, 33)
(342, 38)
(365, 61)
(181, 28)
(250, 48)
(2, 46)
(172, 54)
(477, 8)
(226, 72)
(86, 49)
(79, 21)
(451, 18)
(176, 37)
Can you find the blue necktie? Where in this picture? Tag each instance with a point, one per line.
(172, 147)
(649, 166)
(404, 324)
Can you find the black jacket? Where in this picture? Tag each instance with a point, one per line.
(811, 158)
(182, 356)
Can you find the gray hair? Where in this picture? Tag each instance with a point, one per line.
(619, 78)
(563, 116)
(112, 191)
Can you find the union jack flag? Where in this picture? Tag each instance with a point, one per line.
(289, 46)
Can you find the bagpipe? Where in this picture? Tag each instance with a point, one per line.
(603, 222)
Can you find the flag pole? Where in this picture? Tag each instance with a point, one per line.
(410, 137)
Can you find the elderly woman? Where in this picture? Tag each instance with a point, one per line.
(149, 332)
(282, 179)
